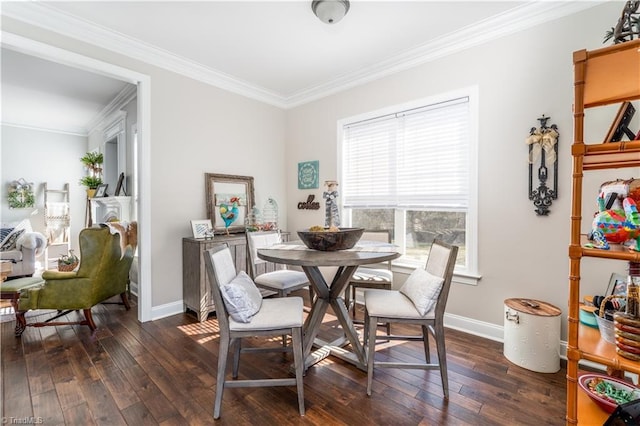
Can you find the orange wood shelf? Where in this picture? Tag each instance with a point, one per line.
(601, 77)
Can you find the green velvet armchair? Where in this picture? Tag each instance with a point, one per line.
(103, 273)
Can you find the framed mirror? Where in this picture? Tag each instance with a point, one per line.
(229, 198)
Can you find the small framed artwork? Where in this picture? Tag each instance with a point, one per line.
(120, 186)
(308, 175)
(617, 285)
(202, 228)
(101, 190)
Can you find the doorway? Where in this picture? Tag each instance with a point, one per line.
(143, 185)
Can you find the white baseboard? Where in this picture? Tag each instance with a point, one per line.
(166, 310)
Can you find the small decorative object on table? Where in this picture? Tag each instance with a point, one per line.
(332, 212)
(270, 215)
(253, 222)
(202, 228)
(68, 262)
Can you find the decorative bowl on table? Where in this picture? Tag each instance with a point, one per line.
(330, 239)
(606, 391)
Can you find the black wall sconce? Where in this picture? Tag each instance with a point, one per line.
(543, 150)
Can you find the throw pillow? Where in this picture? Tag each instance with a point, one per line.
(241, 297)
(4, 233)
(10, 242)
(423, 289)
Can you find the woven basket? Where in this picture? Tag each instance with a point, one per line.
(607, 328)
(67, 267)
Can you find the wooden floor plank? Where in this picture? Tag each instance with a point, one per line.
(164, 372)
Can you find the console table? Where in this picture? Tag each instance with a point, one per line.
(196, 294)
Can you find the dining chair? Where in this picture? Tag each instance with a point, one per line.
(241, 312)
(421, 300)
(281, 281)
(369, 276)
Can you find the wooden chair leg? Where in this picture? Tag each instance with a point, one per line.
(438, 332)
(236, 345)
(21, 323)
(425, 342)
(89, 318)
(222, 368)
(125, 300)
(371, 352)
(298, 361)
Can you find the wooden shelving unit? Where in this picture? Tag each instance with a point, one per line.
(601, 77)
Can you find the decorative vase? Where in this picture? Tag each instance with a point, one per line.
(91, 193)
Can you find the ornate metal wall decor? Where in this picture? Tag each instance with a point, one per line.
(543, 150)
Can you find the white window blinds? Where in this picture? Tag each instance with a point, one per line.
(412, 159)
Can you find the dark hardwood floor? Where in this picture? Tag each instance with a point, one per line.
(163, 372)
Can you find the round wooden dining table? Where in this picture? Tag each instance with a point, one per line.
(346, 261)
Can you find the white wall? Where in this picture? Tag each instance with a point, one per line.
(195, 129)
(38, 157)
(519, 77)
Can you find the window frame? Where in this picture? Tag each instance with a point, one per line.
(468, 274)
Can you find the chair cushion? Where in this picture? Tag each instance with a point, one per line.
(423, 289)
(392, 304)
(371, 274)
(283, 279)
(281, 312)
(11, 286)
(241, 297)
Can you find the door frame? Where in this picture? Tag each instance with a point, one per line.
(142, 81)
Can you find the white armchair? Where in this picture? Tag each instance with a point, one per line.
(21, 246)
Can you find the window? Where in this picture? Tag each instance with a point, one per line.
(412, 170)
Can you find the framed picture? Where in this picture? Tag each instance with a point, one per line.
(101, 190)
(308, 172)
(229, 199)
(119, 186)
(620, 125)
(617, 285)
(202, 228)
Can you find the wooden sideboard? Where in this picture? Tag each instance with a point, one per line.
(196, 293)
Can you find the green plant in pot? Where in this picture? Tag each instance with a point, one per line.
(92, 161)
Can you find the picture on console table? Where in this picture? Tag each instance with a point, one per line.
(229, 198)
(202, 228)
(101, 190)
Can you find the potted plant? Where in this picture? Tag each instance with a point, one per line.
(93, 162)
(68, 262)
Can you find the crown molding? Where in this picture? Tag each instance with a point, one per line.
(68, 131)
(124, 97)
(502, 25)
(520, 18)
(41, 15)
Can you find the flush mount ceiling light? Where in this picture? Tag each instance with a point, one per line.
(330, 11)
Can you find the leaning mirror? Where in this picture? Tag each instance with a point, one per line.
(229, 198)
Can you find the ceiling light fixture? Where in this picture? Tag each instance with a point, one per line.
(330, 11)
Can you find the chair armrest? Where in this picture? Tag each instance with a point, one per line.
(72, 293)
(50, 275)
